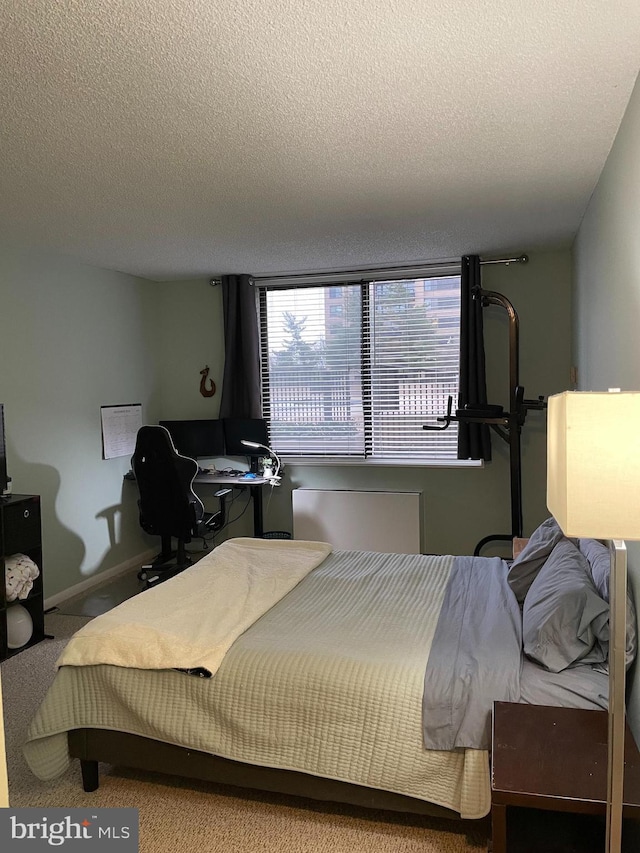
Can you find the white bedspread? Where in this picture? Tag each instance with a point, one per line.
(167, 627)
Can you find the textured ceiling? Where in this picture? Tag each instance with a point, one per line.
(179, 138)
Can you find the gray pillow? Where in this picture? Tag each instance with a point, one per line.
(599, 558)
(564, 620)
(530, 560)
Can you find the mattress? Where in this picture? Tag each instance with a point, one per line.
(328, 682)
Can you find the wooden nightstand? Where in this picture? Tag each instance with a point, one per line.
(556, 759)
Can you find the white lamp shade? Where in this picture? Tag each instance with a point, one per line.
(593, 463)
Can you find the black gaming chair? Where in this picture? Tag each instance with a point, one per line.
(168, 506)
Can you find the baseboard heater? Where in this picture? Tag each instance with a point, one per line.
(385, 522)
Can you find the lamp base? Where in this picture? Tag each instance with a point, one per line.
(617, 707)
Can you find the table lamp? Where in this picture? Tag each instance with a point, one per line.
(274, 479)
(593, 491)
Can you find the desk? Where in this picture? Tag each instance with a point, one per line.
(233, 481)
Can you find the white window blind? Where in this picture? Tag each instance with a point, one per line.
(355, 370)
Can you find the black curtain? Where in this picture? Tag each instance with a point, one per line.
(474, 440)
(241, 394)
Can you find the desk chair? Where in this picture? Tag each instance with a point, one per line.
(168, 506)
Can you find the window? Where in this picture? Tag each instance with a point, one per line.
(360, 382)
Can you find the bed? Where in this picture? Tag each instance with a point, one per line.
(350, 676)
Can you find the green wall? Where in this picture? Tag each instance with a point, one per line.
(607, 293)
(190, 337)
(73, 338)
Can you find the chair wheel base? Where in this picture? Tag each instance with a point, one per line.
(153, 578)
(143, 573)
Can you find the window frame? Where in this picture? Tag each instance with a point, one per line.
(330, 283)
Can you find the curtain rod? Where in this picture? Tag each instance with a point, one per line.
(522, 259)
(416, 271)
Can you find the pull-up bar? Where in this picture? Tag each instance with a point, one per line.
(508, 425)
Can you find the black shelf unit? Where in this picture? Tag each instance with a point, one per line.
(20, 533)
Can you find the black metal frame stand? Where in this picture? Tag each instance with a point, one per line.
(508, 425)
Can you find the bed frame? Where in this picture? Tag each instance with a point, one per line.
(92, 746)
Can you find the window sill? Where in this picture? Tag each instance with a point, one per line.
(330, 462)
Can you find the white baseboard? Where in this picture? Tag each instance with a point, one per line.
(100, 578)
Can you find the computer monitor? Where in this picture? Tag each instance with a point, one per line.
(249, 429)
(199, 439)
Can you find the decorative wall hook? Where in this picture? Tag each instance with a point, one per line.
(211, 390)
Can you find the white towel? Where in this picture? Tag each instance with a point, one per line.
(20, 573)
